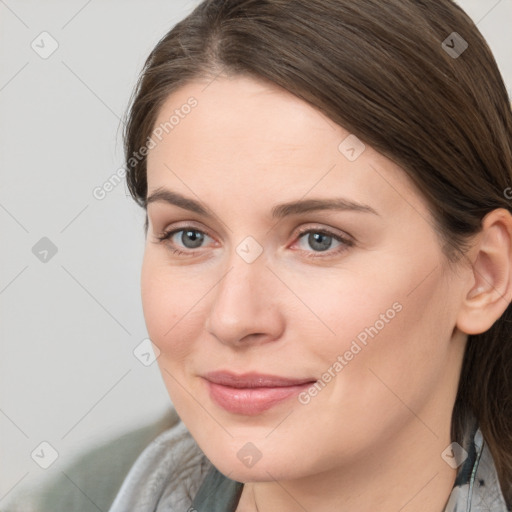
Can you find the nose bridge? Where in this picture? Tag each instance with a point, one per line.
(243, 303)
(246, 271)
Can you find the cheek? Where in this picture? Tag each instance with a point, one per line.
(402, 344)
(397, 318)
(168, 299)
(338, 306)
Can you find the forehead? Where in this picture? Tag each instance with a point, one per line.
(242, 116)
(261, 141)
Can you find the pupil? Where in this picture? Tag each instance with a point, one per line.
(319, 241)
(194, 236)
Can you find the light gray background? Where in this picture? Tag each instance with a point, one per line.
(69, 326)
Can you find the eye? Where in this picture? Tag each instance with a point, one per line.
(321, 241)
(190, 238)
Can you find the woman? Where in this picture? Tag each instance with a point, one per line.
(328, 267)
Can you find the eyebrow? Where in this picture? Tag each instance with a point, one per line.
(279, 211)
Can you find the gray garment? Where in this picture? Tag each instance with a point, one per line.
(173, 475)
(477, 487)
(166, 476)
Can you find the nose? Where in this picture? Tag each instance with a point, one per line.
(245, 306)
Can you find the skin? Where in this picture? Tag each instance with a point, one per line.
(372, 438)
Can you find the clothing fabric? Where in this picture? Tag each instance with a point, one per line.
(173, 475)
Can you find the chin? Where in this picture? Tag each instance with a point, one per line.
(259, 472)
(244, 461)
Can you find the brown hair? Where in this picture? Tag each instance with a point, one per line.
(380, 69)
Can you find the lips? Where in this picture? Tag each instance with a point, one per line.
(252, 393)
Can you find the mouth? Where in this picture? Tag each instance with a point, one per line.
(252, 393)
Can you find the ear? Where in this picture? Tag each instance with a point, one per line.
(489, 292)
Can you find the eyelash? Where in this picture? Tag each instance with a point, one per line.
(346, 242)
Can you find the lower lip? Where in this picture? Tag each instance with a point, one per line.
(252, 401)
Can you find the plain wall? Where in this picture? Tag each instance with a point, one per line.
(69, 325)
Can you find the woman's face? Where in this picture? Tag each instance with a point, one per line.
(302, 306)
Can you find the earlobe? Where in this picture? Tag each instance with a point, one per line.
(490, 289)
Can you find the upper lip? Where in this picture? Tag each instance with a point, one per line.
(253, 380)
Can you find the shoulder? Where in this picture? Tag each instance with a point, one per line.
(166, 475)
(477, 487)
(89, 479)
